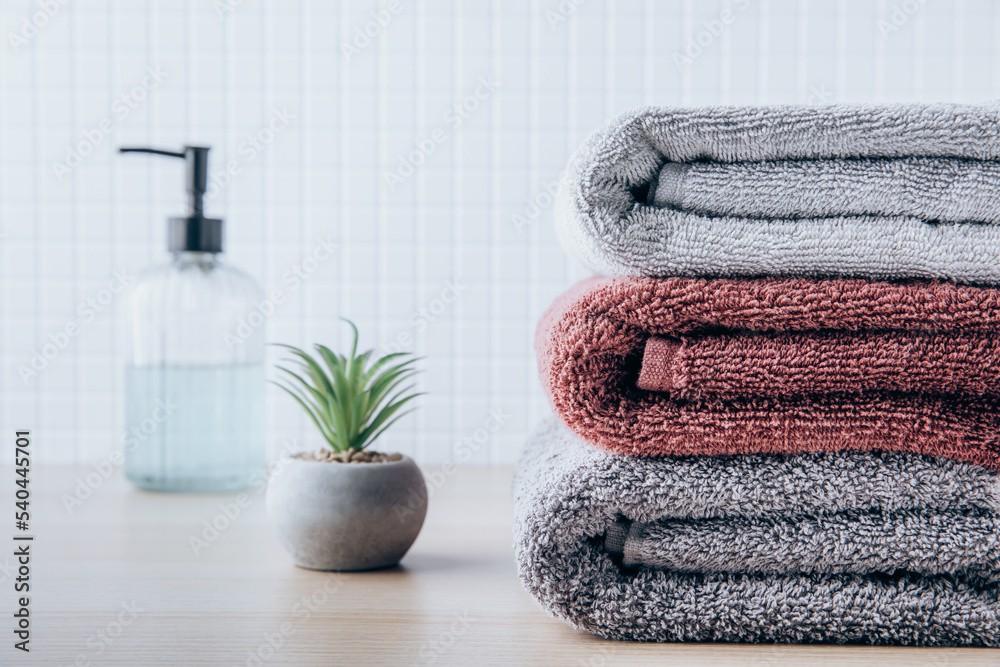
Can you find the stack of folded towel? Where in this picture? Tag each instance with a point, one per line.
(781, 422)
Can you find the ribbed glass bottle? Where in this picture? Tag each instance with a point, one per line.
(195, 381)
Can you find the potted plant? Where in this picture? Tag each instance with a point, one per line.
(339, 508)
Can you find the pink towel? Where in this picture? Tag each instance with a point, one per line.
(690, 366)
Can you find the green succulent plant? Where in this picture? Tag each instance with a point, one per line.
(351, 399)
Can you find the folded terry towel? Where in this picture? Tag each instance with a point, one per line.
(905, 191)
(682, 366)
(697, 513)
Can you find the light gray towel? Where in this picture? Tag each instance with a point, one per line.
(701, 568)
(884, 192)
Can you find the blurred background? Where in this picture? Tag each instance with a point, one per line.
(391, 162)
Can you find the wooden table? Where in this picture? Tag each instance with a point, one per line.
(117, 582)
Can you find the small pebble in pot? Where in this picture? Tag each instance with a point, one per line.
(349, 456)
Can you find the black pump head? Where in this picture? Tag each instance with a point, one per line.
(195, 232)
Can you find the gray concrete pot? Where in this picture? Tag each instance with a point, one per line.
(347, 516)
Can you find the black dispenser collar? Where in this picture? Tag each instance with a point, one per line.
(195, 232)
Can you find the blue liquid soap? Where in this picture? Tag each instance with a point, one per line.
(195, 380)
(194, 428)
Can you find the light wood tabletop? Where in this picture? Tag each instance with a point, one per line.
(118, 581)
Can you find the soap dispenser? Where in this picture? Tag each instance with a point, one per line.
(195, 378)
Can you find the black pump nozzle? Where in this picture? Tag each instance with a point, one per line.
(194, 233)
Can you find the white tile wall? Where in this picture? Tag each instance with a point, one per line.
(563, 67)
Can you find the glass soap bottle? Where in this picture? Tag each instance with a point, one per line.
(195, 378)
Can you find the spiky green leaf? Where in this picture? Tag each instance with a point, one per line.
(352, 399)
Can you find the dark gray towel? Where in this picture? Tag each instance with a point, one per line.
(869, 548)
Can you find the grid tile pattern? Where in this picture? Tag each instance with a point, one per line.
(426, 148)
